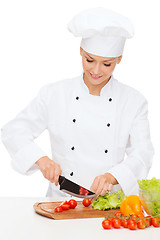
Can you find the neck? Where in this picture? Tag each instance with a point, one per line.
(95, 89)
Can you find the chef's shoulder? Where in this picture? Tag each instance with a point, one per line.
(130, 96)
(58, 89)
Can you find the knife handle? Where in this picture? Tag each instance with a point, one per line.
(61, 179)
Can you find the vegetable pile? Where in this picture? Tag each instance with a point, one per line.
(109, 200)
(66, 205)
(71, 204)
(150, 195)
(131, 222)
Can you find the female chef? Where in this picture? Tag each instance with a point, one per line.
(93, 120)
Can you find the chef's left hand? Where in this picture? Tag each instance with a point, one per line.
(103, 183)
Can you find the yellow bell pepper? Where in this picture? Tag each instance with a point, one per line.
(132, 205)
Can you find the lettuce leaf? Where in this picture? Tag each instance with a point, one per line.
(109, 201)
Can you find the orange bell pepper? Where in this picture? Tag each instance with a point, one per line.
(132, 205)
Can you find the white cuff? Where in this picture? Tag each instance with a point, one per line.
(125, 178)
(24, 160)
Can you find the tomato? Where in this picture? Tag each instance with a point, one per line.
(132, 225)
(116, 223)
(125, 223)
(65, 206)
(141, 224)
(58, 209)
(134, 217)
(155, 221)
(86, 202)
(147, 220)
(72, 203)
(112, 219)
(118, 214)
(83, 191)
(106, 224)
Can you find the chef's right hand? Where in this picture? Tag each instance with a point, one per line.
(50, 169)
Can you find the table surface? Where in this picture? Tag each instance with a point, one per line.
(18, 221)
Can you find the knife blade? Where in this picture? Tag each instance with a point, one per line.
(74, 189)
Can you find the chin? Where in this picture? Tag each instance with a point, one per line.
(96, 81)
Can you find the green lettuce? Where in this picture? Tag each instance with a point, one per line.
(109, 201)
(150, 194)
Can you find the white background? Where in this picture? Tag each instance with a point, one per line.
(36, 48)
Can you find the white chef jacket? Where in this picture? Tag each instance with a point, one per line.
(90, 135)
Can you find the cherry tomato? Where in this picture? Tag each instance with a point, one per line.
(125, 223)
(72, 203)
(132, 225)
(58, 209)
(118, 214)
(86, 202)
(141, 224)
(106, 224)
(134, 217)
(116, 223)
(65, 206)
(112, 219)
(155, 221)
(147, 220)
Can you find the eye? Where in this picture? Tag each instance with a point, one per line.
(88, 60)
(107, 65)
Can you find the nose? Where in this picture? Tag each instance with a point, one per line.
(96, 69)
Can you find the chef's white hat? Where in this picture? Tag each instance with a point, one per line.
(103, 31)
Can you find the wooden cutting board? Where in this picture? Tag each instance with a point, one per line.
(47, 209)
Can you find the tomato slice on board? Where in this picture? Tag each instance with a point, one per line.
(83, 191)
(58, 209)
(65, 206)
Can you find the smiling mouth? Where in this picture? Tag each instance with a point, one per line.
(95, 76)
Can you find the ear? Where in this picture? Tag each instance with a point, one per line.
(119, 59)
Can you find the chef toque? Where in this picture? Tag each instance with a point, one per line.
(103, 31)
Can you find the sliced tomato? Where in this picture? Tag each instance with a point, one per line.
(65, 206)
(83, 191)
(58, 209)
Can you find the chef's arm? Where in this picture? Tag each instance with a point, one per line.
(139, 152)
(18, 135)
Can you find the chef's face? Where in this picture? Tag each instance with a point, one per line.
(98, 70)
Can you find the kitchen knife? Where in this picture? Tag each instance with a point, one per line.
(74, 189)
